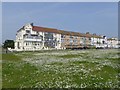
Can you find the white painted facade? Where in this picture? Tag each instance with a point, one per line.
(29, 40)
(95, 41)
(99, 41)
(113, 43)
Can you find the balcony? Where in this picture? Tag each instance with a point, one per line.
(33, 38)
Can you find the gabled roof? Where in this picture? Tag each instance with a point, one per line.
(76, 34)
(20, 29)
(88, 35)
(64, 32)
(112, 39)
(44, 29)
(96, 36)
(52, 30)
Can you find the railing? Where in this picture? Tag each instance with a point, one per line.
(33, 39)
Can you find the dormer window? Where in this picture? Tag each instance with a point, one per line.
(27, 31)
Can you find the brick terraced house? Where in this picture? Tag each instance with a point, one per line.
(33, 38)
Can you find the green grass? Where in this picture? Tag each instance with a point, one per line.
(16, 76)
(69, 56)
(10, 56)
(56, 63)
(73, 55)
(17, 73)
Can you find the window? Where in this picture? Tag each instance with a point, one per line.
(32, 43)
(27, 31)
(71, 40)
(75, 37)
(35, 44)
(62, 40)
(46, 32)
(37, 32)
(18, 45)
(75, 41)
(71, 37)
(62, 36)
(103, 42)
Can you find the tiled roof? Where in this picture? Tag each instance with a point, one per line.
(76, 34)
(96, 36)
(64, 32)
(111, 39)
(52, 30)
(88, 35)
(44, 29)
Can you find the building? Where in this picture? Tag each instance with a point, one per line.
(33, 38)
(113, 43)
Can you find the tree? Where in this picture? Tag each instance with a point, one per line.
(8, 44)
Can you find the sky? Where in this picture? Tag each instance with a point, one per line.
(60, 0)
(94, 17)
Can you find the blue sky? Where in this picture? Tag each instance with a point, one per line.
(94, 17)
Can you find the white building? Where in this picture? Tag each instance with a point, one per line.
(99, 41)
(30, 38)
(113, 43)
(96, 41)
(33, 38)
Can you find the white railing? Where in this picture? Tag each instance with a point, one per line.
(31, 39)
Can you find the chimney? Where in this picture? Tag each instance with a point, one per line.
(87, 33)
(31, 24)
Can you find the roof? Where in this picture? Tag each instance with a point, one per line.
(111, 39)
(77, 34)
(20, 29)
(88, 35)
(64, 32)
(44, 29)
(52, 30)
(96, 36)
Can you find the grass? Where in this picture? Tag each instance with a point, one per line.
(0, 71)
(10, 56)
(61, 69)
(17, 76)
(73, 55)
(69, 56)
(56, 63)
